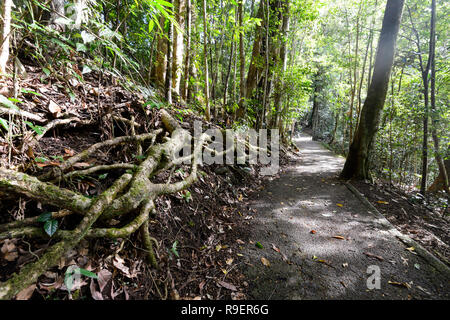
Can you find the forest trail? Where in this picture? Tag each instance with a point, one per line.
(320, 240)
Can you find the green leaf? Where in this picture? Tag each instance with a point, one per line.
(41, 159)
(46, 71)
(81, 47)
(259, 245)
(102, 176)
(68, 279)
(51, 226)
(87, 273)
(31, 91)
(7, 103)
(87, 37)
(174, 249)
(38, 129)
(86, 69)
(64, 21)
(4, 124)
(45, 217)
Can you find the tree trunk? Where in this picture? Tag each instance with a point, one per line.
(356, 165)
(159, 71)
(5, 36)
(241, 109)
(254, 68)
(278, 98)
(178, 46)
(441, 182)
(57, 7)
(169, 72)
(440, 162)
(205, 61)
(187, 63)
(227, 77)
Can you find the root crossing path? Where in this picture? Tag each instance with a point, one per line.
(319, 241)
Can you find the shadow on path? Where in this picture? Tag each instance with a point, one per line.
(300, 214)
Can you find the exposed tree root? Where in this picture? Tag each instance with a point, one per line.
(129, 193)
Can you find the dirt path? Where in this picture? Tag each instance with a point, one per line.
(300, 213)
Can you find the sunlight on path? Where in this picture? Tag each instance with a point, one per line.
(301, 214)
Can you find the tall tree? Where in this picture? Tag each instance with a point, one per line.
(356, 165)
(178, 45)
(282, 61)
(205, 61)
(159, 71)
(5, 35)
(187, 61)
(440, 162)
(241, 108)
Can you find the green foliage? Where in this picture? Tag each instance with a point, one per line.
(50, 224)
(174, 249)
(72, 272)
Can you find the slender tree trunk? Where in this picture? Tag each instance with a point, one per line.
(425, 80)
(267, 67)
(205, 61)
(5, 36)
(283, 62)
(440, 162)
(187, 63)
(168, 83)
(159, 71)
(57, 7)
(356, 165)
(227, 77)
(254, 69)
(241, 109)
(178, 46)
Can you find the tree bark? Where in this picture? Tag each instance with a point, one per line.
(278, 98)
(187, 61)
(5, 36)
(178, 46)
(356, 165)
(205, 61)
(440, 162)
(169, 72)
(159, 71)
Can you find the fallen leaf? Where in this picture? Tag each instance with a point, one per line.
(313, 231)
(275, 248)
(382, 202)
(54, 109)
(229, 261)
(371, 255)
(227, 285)
(339, 205)
(265, 262)
(104, 277)
(96, 295)
(26, 293)
(339, 237)
(119, 263)
(9, 251)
